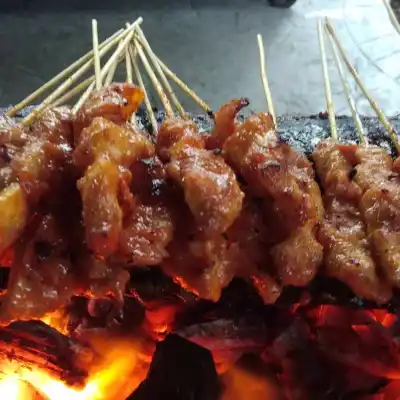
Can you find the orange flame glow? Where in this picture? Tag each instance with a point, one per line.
(116, 376)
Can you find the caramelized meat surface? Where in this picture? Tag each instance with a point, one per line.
(285, 180)
(209, 184)
(85, 198)
(348, 256)
(105, 151)
(116, 103)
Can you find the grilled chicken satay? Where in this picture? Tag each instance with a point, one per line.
(210, 245)
(38, 165)
(116, 102)
(342, 232)
(380, 205)
(105, 152)
(209, 184)
(285, 179)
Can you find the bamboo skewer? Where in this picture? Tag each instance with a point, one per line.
(128, 64)
(139, 80)
(184, 87)
(109, 64)
(83, 98)
(327, 84)
(356, 117)
(97, 66)
(114, 65)
(111, 73)
(77, 89)
(154, 80)
(392, 16)
(88, 56)
(381, 116)
(264, 79)
(121, 47)
(160, 72)
(75, 76)
(180, 83)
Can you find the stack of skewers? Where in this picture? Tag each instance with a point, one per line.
(87, 195)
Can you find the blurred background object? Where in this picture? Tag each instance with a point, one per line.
(210, 44)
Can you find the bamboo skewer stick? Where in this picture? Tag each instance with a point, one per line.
(356, 117)
(381, 116)
(128, 64)
(154, 80)
(121, 47)
(111, 73)
(114, 65)
(327, 84)
(88, 56)
(160, 72)
(392, 16)
(114, 57)
(75, 76)
(264, 79)
(181, 84)
(77, 89)
(83, 98)
(139, 80)
(184, 87)
(97, 66)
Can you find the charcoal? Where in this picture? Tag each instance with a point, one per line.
(180, 370)
(33, 343)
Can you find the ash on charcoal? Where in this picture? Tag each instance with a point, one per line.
(180, 370)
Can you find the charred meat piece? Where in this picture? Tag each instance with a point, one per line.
(285, 179)
(146, 235)
(224, 122)
(380, 206)
(116, 102)
(209, 184)
(342, 232)
(40, 279)
(104, 152)
(35, 170)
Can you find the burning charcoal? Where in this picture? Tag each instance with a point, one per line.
(251, 379)
(180, 370)
(33, 343)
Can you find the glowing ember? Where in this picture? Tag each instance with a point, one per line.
(118, 374)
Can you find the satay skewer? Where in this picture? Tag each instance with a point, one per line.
(184, 87)
(110, 75)
(264, 78)
(128, 65)
(350, 100)
(145, 44)
(139, 80)
(180, 83)
(74, 77)
(67, 71)
(381, 116)
(74, 91)
(97, 66)
(154, 80)
(327, 83)
(110, 63)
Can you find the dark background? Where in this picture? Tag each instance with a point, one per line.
(211, 44)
